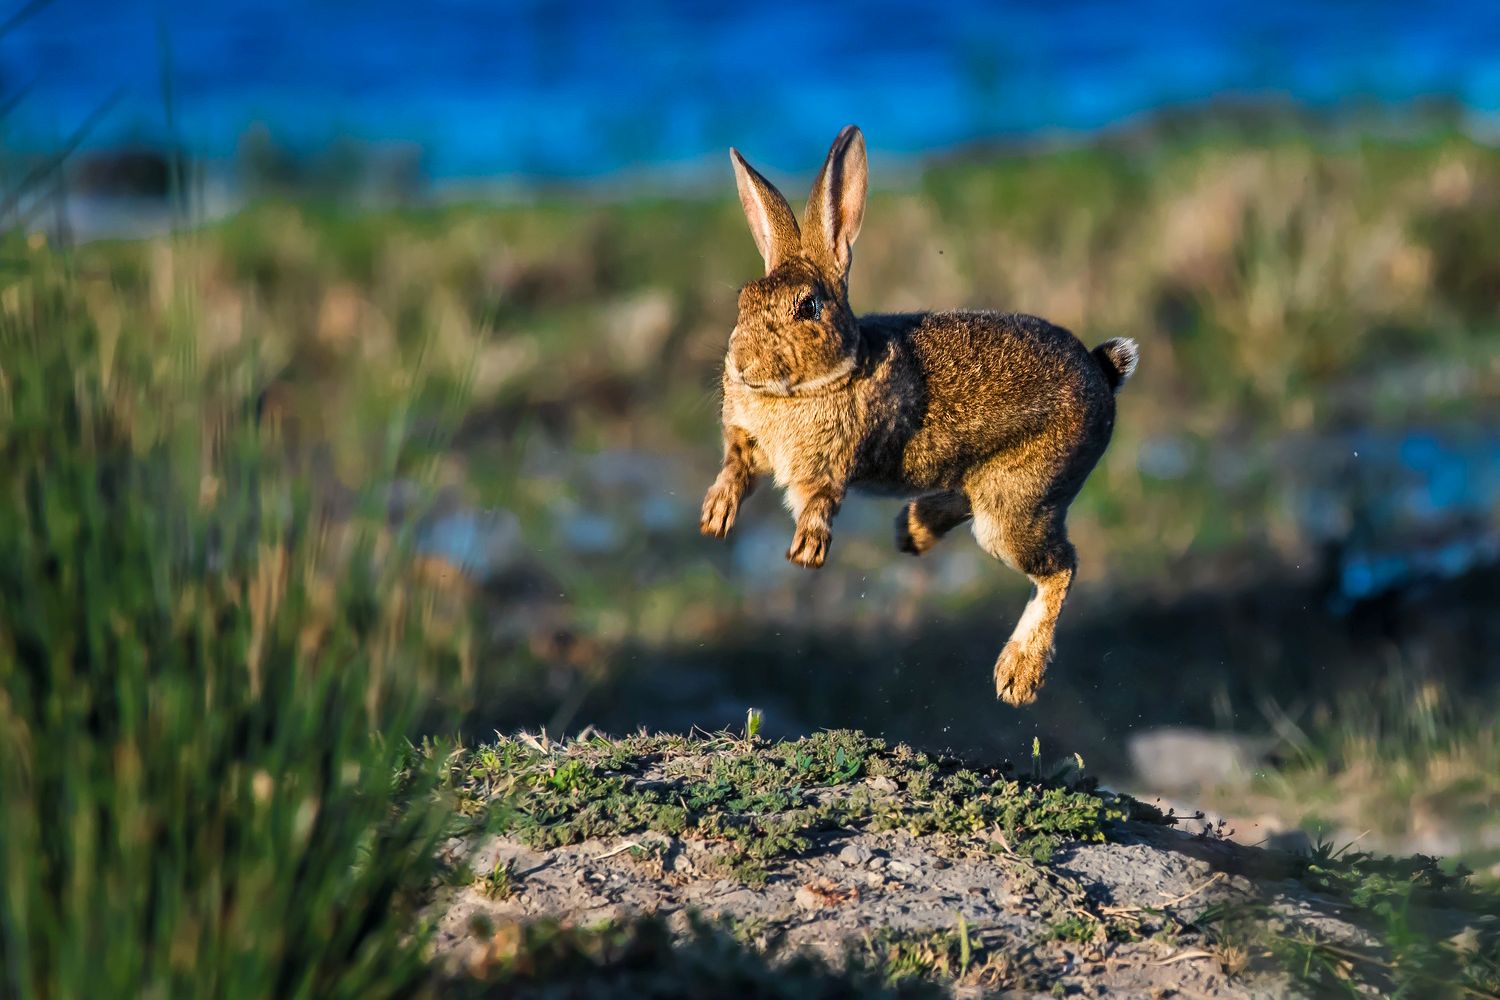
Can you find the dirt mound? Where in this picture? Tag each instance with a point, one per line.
(911, 871)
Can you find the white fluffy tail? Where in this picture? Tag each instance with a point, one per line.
(1118, 357)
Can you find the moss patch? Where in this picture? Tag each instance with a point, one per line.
(761, 802)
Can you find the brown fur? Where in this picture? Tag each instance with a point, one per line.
(992, 417)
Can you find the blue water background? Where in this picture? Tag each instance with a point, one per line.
(576, 90)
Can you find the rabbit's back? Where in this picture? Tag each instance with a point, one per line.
(952, 389)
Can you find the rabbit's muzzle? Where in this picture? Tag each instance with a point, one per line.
(769, 376)
(778, 386)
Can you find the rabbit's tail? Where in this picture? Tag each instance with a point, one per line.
(1118, 357)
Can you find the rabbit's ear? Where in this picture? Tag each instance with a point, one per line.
(836, 208)
(771, 220)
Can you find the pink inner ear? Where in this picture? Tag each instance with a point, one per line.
(764, 234)
(838, 197)
(831, 209)
(770, 219)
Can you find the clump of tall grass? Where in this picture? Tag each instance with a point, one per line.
(1407, 758)
(206, 784)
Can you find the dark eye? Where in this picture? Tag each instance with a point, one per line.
(810, 307)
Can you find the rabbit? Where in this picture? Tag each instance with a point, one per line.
(991, 417)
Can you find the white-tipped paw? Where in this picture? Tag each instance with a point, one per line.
(809, 546)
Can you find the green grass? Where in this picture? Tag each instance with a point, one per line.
(206, 787)
(501, 881)
(1413, 907)
(1399, 758)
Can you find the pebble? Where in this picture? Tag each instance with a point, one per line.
(855, 854)
(809, 900)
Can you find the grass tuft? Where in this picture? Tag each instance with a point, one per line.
(206, 787)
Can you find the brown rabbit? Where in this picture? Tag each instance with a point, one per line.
(991, 416)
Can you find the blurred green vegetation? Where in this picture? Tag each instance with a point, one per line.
(1402, 758)
(641, 957)
(206, 693)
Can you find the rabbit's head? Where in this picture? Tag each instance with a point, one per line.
(796, 333)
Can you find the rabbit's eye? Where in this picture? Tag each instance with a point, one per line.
(810, 307)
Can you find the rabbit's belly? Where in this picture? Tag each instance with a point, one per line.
(884, 489)
(782, 456)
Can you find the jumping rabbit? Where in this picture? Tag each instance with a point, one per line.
(991, 416)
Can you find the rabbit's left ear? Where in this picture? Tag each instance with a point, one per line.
(836, 207)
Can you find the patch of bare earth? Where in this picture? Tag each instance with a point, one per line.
(1131, 912)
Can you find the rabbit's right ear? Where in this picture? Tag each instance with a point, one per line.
(771, 220)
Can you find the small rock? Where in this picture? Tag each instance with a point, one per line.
(901, 868)
(855, 854)
(1175, 758)
(881, 784)
(877, 863)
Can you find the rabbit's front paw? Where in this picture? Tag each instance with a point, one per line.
(809, 546)
(719, 509)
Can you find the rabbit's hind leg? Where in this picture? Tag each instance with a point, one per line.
(925, 520)
(1033, 539)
